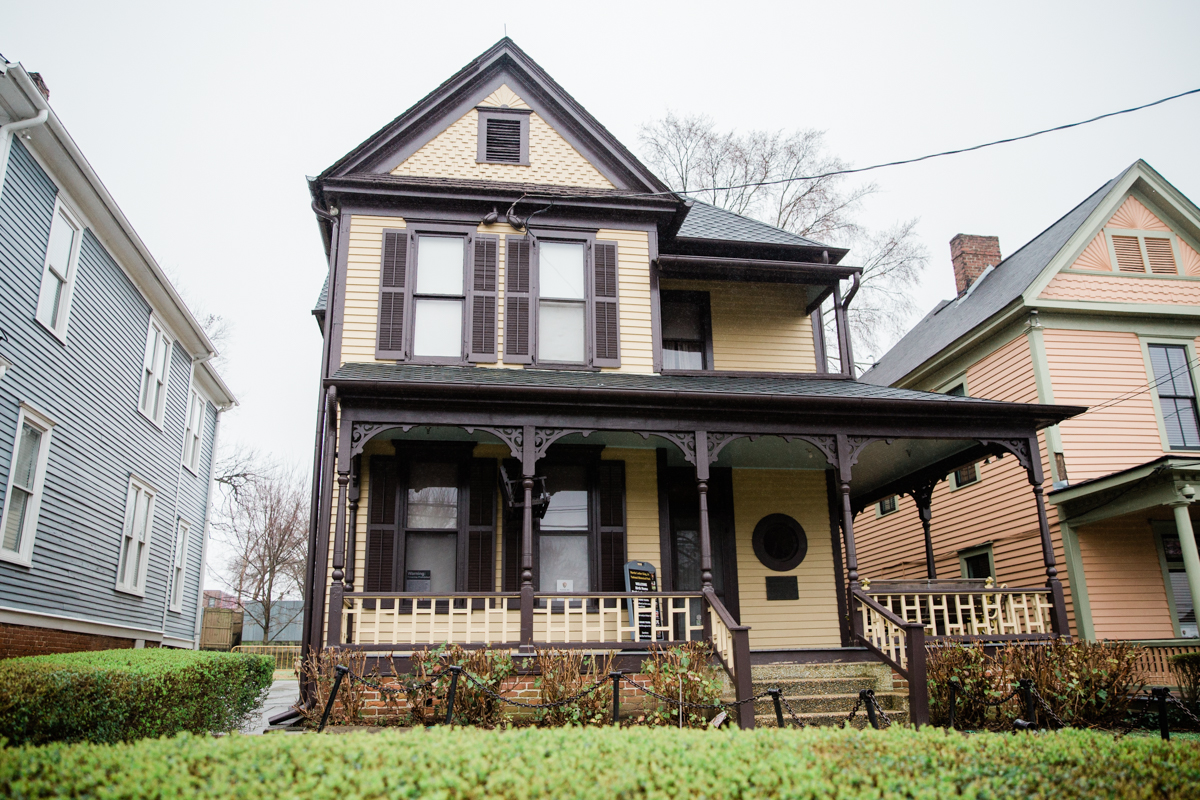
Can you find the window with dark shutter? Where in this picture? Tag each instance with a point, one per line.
(511, 571)
(481, 548)
(483, 299)
(1176, 395)
(393, 296)
(518, 311)
(607, 331)
(503, 141)
(379, 572)
(612, 525)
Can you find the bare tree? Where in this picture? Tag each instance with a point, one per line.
(757, 174)
(263, 522)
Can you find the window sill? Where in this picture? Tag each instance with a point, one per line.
(61, 338)
(563, 367)
(505, 163)
(141, 594)
(16, 558)
(194, 470)
(156, 423)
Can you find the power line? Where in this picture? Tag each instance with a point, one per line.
(855, 170)
(1132, 393)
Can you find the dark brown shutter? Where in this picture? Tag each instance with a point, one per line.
(481, 300)
(518, 301)
(604, 306)
(481, 520)
(612, 526)
(393, 296)
(511, 573)
(379, 574)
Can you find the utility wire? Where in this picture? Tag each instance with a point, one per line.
(854, 170)
(1121, 398)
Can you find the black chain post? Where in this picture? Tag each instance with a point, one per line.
(341, 671)
(865, 695)
(1164, 725)
(616, 679)
(1027, 695)
(953, 699)
(775, 694)
(454, 671)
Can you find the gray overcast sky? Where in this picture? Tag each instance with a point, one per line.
(203, 120)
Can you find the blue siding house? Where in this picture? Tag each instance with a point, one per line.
(109, 408)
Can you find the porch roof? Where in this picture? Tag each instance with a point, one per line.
(798, 392)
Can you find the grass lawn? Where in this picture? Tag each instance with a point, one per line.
(611, 765)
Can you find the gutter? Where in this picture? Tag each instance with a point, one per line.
(12, 127)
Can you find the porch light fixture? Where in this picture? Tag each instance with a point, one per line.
(514, 493)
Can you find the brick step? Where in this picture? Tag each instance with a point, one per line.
(795, 687)
(817, 704)
(833, 719)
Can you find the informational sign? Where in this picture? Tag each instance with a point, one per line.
(418, 580)
(564, 585)
(641, 576)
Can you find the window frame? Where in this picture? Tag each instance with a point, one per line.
(703, 300)
(588, 241)
(159, 413)
(1160, 529)
(952, 478)
(191, 461)
(183, 532)
(1189, 346)
(59, 327)
(879, 512)
(486, 113)
(137, 586)
(977, 550)
(1142, 235)
(36, 418)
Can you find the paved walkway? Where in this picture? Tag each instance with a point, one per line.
(283, 694)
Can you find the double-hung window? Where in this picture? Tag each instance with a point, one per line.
(58, 274)
(562, 303)
(23, 495)
(177, 574)
(135, 537)
(686, 330)
(155, 367)
(191, 435)
(1176, 395)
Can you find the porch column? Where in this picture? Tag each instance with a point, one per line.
(355, 494)
(337, 588)
(1187, 543)
(923, 497)
(706, 577)
(528, 464)
(318, 597)
(1034, 471)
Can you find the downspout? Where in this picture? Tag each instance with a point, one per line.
(846, 350)
(6, 139)
(212, 487)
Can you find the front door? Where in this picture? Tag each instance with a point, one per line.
(684, 516)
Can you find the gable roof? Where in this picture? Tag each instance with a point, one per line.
(706, 221)
(950, 320)
(502, 63)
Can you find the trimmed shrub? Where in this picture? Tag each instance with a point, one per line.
(1185, 668)
(121, 695)
(1085, 684)
(607, 763)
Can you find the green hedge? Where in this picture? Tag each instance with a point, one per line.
(121, 695)
(608, 764)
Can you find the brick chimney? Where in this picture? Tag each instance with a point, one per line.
(971, 255)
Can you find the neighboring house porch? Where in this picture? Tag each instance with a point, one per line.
(499, 508)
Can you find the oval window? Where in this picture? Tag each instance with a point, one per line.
(780, 542)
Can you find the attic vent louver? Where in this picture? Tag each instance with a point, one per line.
(504, 140)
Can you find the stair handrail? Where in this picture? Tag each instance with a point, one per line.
(913, 670)
(739, 670)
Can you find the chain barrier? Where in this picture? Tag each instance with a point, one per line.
(857, 705)
(566, 701)
(887, 723)
(688, 704)
(795, 719)
(1187, 711)
(1046, 707)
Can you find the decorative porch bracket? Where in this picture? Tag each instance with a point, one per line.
(922, 495)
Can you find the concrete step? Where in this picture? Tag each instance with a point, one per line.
(795, 687)
(830, 719)
(819, 704)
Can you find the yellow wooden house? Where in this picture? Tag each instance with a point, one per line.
(1102, 309)
(542, 368)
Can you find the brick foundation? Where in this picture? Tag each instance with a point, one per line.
(27, 640)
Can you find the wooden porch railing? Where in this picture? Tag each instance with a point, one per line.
(899, 642)
(967, 609)
(597, 620)
(1155, 662)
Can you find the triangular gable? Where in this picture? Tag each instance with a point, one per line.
(453, 152)
(1139, 200)
(584, 149)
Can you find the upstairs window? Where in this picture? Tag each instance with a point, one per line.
(155, 366)
(135, 538)
(503, 136)
(886, 506)
(177, 574)
(562, 303)
(1144, 253)
(1176, 395)
(58, 275)
(192, 433)
(23, 495)
(686, 330)
(438, 303)
(964, 476)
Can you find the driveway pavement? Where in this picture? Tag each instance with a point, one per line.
(283, 694)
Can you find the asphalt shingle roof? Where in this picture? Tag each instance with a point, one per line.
(323, 300)
(706, 221)
(716, 384)
(952, 319)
